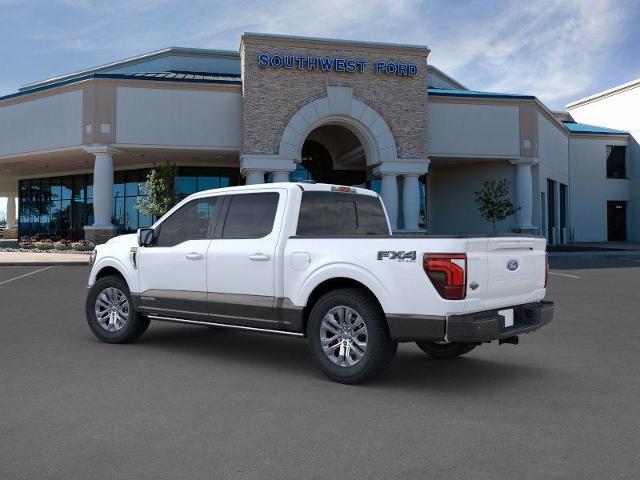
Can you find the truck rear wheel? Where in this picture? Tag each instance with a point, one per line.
(348, 336)
(443, 351)
(110, 313)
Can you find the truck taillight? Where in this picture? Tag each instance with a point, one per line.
(546, 268)
(447, 272)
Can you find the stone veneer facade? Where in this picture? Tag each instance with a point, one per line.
(272, 96)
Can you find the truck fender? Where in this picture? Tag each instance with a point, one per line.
(343, 270)
(125, 270)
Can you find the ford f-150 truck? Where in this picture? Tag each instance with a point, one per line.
(317, 261)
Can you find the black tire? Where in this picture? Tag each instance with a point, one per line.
(380, 349)
(442, 351)
(136, 323)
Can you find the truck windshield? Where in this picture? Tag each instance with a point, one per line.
(340, 214)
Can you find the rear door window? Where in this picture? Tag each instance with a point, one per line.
(340, 214)
(250, 215)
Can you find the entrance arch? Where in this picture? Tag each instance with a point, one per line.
(333, 154)
(340, 108)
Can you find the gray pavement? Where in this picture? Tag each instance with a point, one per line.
(190, 402)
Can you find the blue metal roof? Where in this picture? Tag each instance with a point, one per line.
(188, 77)
(444, 92)
(575, 127)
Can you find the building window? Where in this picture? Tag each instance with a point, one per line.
(59, 207)
(616, 164)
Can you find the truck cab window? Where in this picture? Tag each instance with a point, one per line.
(339, 214)
(250, 215)
(191, 222)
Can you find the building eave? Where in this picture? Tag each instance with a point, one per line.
(132, 61)
(606, 93)
(448, 78)
(116, 76)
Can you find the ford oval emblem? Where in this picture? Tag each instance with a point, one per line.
(512, 265)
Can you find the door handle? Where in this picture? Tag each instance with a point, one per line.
(194, 256)
(259, 257)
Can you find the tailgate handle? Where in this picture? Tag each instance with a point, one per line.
(510, 245)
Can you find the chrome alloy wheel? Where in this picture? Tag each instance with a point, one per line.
(343, 335)
(112, 309)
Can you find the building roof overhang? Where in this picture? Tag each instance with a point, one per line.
(145, 57)
(605, 93)
(175, 77)
(569, 128)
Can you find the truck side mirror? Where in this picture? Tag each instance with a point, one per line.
(146, 237)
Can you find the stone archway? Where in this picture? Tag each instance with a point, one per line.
(339, 107)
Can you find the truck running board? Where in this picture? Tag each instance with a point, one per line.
(224, 325)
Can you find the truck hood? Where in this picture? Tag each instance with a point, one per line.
(128, 239)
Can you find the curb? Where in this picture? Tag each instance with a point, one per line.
(44, 264)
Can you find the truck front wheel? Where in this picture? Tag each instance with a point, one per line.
(110, 313)
(442, 351)
(348, 336)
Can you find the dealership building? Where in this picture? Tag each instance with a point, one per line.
(75, 149)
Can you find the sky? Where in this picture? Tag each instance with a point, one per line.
(557, 50)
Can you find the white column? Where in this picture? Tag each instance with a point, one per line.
(280, 176)
(103, 189)
(411, 202)
(389, 192)
(524, 193)
(11, 212)
(254, 177)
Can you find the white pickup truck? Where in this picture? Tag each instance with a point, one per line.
(317, 261)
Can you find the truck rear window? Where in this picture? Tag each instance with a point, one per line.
(339, 214)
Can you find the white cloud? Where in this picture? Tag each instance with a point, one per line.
(547, 48)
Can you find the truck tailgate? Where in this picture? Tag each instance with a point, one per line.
(507, 271)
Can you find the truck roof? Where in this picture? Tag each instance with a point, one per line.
(307, 187)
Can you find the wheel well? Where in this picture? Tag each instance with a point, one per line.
(327, 286)
(110, 271)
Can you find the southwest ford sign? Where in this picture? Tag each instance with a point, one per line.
(334, 64)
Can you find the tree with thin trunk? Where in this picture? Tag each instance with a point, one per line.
(160, 190)
(494, 202)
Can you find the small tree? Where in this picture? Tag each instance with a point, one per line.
(494, 202)
(160, 190)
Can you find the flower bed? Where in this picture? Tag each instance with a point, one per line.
(39, 245)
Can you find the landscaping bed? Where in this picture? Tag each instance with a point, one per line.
(47, 245)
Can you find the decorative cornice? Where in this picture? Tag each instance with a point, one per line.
(313, 42)
(524, 161)
(101, 149)
(403, 166)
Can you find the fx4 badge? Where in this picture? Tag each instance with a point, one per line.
(400, 256)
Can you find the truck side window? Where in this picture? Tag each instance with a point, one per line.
(191, 222)
(335, 214)
(250, 215)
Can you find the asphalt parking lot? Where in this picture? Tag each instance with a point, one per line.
(190, 402)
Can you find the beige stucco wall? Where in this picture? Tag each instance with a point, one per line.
(272, 96)
(453, 208)
(178, 117)
(473, 129)
(50, 122)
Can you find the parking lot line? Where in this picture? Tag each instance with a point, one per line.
(25, 275)
(632, 259)
(564, 275)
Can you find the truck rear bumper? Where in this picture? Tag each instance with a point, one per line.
(474, 327)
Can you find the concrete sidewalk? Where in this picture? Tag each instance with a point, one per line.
(37, 259)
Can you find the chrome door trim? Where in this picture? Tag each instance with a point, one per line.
(224, 325)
